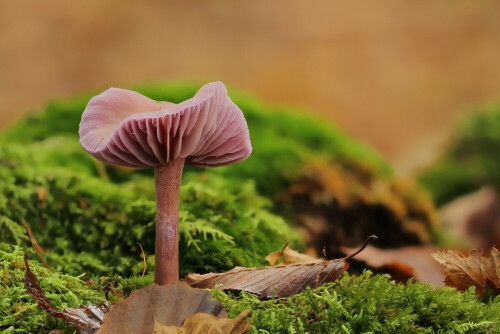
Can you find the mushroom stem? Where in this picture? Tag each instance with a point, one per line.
(167, 187)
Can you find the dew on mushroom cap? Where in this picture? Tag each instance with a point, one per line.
(126, 128)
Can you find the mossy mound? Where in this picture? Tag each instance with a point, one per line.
(19, 312)
(223, 222)
(369, 304)
(284, 144)
(471, 160)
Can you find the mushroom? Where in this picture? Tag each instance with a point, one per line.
(125, 128)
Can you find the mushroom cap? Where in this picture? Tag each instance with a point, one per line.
(126, 128)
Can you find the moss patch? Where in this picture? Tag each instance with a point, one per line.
(223, 222)
(15, 303)
(369, 304)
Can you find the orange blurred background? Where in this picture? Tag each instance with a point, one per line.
(395, 74)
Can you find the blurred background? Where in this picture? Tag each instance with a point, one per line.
(394, 74)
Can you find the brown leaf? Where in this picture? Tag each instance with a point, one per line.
(169, 304)
(475, 270)
(203, 323)
(402, 263)
(281, 281)
(87, 319)
(291, 256)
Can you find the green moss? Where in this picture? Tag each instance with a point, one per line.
(471, 160)
(97, 224)
(369, 304)
(15, 303)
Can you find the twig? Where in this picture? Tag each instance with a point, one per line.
(18, 317)
(144, 258)
(30, 236)
(371, 237)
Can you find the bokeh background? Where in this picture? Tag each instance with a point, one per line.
(394, 74)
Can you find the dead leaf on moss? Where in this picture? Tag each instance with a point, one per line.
(169, 304)
(462, 272)
(280, 281)
(203, 323)
(87, 319)
(291, 256)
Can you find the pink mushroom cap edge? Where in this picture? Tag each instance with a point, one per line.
(123, 127)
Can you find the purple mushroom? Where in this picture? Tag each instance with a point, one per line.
(125, 128)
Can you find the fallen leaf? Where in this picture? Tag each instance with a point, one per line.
(169, 304)
(477, 270)
(203, 323)
(87, 319)
(402, 263)
(280, 281)
(291, 256)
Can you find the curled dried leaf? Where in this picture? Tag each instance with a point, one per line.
(462, 272)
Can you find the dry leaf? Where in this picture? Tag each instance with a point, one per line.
(87, 319)
(203, 323)
(476, 270)
(281, 281)
(403, 263)
(169, 304)
(291, 256)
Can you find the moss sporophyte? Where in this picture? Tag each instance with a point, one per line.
(123, 127)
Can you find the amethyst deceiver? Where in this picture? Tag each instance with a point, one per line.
(125, 128)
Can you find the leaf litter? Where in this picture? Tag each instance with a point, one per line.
(280, 281)
(462, 272)
(87, 319)
(169, 305)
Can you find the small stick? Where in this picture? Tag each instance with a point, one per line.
(18, 317)
(34, 244)
(144, 259)
(371, 237)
